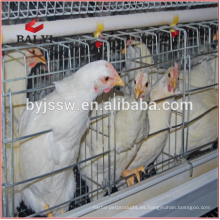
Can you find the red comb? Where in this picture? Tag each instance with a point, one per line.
(141, 78)
(128, 43)
(175, 70)
(111, 68)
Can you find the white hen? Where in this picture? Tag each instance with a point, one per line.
(59, 148)
(129, 129)
(201, 131)
(205, 67)
(205, 71)
(134, 51)
(159, 119)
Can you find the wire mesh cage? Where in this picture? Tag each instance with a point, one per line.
(24, 10)
(152, 49)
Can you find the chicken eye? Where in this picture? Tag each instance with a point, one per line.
(106, 78)
(146, 84)
(134, 82)
(169, 75)
(32, 52)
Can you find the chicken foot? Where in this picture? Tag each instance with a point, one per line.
(49, 213)
(130, 180)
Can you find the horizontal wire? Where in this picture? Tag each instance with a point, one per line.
(185, 123)
(54, 172)
(167, 160)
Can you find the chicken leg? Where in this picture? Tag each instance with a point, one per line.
(49, 213)
(62, 211)
(130, 180)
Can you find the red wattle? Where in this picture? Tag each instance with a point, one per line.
(33, 64)
(169, 88)
(107, 90)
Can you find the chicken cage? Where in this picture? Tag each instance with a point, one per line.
(186, 161)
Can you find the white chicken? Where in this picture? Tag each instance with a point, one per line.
(204, 70)
(129, 129)
(134, 51)
(201, 131)
(14, 67)
(159, 119)
(203, 73)
(141, 50)
(204, 67)
(59, 148)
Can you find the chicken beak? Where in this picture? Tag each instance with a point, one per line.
(123, 52)
(138, 91)
(173, 83)
(41, 59)
(118, 82)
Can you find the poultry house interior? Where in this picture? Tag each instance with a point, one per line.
(109, 162)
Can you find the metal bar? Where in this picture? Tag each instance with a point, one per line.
(114, 144)
(4, 145)
(54, 172)
(12, 154)
(98, 132)
(6, 141)
(184, 47)
(86, 44)
(191, 166)
(109, 149)
(63, 45)
(117, 8)
(189, 85)
(151, 65)
(165, 129)
(88, 25)
(25, 65)
(175, 157)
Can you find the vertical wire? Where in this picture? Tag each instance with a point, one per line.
(3, 138)
(189, 85)
(12, 152)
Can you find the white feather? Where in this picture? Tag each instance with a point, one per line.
(60, 147)
(131, 127)
(139, 50)
(201, 131)
(158, 120)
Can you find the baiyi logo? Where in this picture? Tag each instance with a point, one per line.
(28, 27)
(29, 39)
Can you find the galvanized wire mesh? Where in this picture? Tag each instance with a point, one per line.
(66, 55)
(22, 10)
